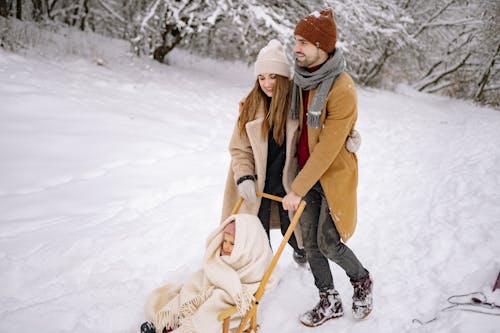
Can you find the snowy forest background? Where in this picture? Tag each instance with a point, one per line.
(113, 165)
(450, 47)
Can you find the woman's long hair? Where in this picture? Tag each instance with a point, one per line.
(276, 112)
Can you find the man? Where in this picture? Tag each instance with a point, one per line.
(324, 100)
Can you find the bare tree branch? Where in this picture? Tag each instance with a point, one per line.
(441, 75)
(112, 11)
(486, 75)
(432, 18)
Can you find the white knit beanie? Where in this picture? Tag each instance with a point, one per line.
(272, 59)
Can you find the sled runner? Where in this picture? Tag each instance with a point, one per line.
(250, 318)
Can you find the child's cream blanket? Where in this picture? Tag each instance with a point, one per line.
(223, 281)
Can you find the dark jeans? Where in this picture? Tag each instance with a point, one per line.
(265, 216)
(322, 242)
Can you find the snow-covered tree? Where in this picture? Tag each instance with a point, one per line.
(163, 24)
(225, 29)
(439, 46)
(458, 44)
(370, 32)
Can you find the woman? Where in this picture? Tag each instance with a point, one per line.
(263, 146)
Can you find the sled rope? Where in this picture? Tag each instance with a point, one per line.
(477, 303)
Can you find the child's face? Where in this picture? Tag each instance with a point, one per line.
(227, 244)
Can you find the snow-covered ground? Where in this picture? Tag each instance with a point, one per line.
(111, 178)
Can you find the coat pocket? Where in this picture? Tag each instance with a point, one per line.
(349, 158)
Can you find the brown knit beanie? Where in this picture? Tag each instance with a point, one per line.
(319, 29)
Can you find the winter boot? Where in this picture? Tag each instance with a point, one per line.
(148, 327)
(300, 257)
(362, 300)
(328, 307)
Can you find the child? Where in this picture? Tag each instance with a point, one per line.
(236, 257)
(228, 239)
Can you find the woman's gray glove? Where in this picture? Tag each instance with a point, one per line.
(246, 190)
(353, 141)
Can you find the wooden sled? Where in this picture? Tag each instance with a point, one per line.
(249, 321)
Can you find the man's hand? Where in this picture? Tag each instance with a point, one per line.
(291, 201)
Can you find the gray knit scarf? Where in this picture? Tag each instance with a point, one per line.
(323, 78)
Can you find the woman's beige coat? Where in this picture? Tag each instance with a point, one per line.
(249, 157)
